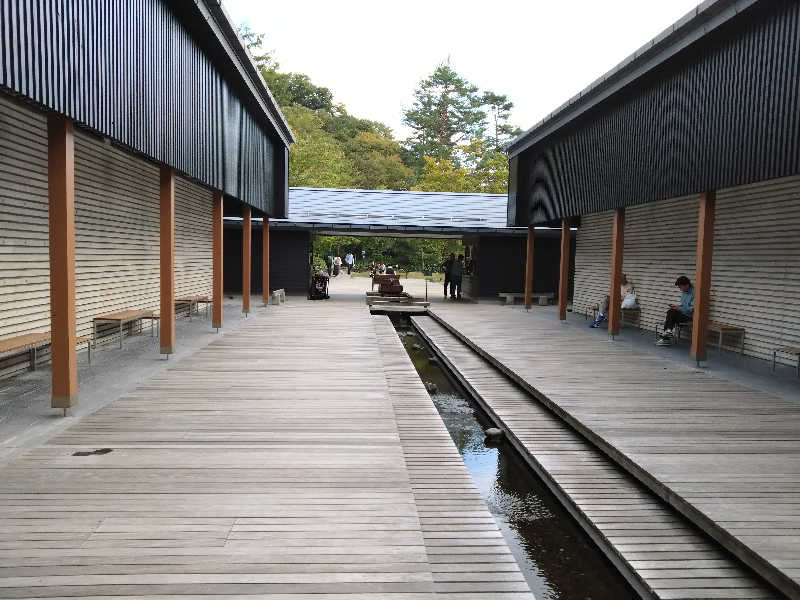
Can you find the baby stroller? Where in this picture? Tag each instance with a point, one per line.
(319, 287)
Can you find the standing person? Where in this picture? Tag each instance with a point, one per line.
(456, 271)
(337, 265)
(382, 268)
(625, 288)
(349, 261)
(373, 268)
(447, 266)
(329, 263)
(678, 313)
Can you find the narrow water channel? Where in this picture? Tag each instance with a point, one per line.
(559, 561)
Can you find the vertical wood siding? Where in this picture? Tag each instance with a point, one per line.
(193, 269)
(143, 73)
(755, 280)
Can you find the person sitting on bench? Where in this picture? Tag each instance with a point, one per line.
(679, 313)
(625, 288)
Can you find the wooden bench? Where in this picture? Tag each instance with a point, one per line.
(629, 315)
(791, 351)
(721, 329)
(122, 318)
(379, 278)
(542, 299)
(31, 342)
(278, 296)
(193, 302)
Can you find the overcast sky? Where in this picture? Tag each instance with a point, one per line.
(372, 54)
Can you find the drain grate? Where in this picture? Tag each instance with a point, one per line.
(91, 452)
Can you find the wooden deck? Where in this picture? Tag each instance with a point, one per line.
(269, 462)
(466, 551)
(661, 554)
(725, 456)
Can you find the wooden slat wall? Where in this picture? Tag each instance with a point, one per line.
(193, 272)
(116, 231)
(24, 259)
(592, 261)
(755, 279)
(660, 245)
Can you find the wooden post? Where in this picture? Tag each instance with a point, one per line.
(61, 195)
(615, 298)
(265, 261)
(167, 327)
(529, 269)
(246, 244)
(563, 277)
(216, 260)
(702, 281)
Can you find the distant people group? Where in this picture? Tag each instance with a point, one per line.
(453, 269)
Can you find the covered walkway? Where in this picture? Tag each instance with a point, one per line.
(281, 459)
(724, 455)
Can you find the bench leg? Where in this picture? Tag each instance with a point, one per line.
(120, 335)
(33, 358)
(89, 350)
(94, 333)
(774, 354)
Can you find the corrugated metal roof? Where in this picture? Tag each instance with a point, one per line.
(396, 210)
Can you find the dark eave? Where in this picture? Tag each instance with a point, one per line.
(707, 17)
(227, 36)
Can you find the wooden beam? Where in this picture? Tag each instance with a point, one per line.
(529, 269)
(61, 195)
(702, 280)
(617, 247)
(563, 276)
(167, 201)
(216, 260)
(265, 261)
(246, 249)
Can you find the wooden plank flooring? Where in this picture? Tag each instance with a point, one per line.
(269, 463)
(659, 550)
(725, 456)
(466, 551)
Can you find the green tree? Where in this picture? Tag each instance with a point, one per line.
(378, 163)
(254, 42)
(317, 159)
(447, 110)
(443, 176)
(499, 109)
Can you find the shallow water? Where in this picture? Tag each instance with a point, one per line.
(557, 558)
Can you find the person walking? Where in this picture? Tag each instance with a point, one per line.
(349, 261)
(447, 266)
(329, 263)
(456, 272)
(337, 265)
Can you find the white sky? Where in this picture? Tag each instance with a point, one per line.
(372, 54)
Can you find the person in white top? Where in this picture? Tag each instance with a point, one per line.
(349, 260)
(625, 288)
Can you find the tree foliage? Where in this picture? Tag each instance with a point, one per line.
(410, 254)
(458, 134)
(447, 111)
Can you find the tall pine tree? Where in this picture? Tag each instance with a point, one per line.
(447, 111)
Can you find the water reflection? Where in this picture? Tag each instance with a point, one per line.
(557, 558)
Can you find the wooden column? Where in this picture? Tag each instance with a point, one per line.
(167, 326)
(617, 246)
(216, 261)
(563, 276)
(265, 261)
(702, 281)
(529, 269)
(61, 194)
(246, 249)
